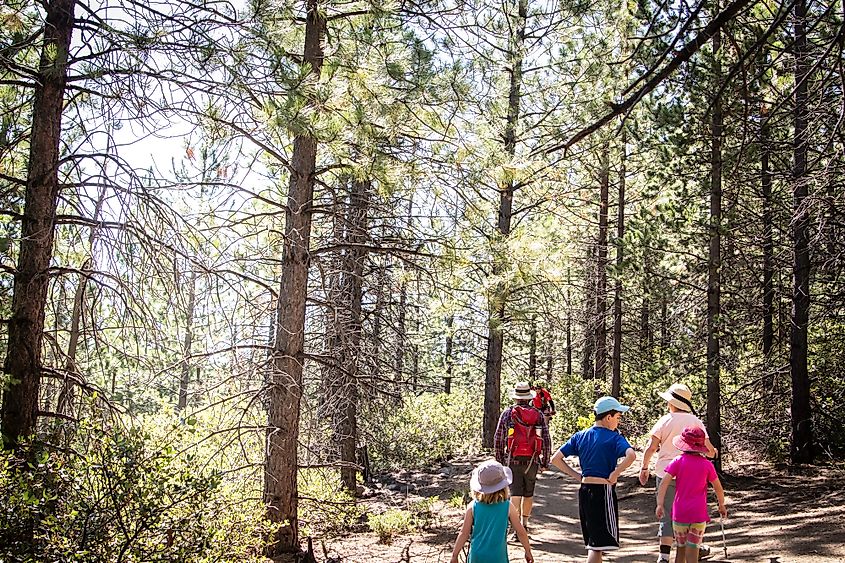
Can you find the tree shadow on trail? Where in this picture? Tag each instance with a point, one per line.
(774, 517)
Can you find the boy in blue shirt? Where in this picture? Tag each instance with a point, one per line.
(598, 449)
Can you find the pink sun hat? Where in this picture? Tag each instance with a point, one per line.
(691, 440)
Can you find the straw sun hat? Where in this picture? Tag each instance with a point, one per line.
(522, 391)
(678, 395)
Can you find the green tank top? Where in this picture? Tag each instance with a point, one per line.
(489, 529)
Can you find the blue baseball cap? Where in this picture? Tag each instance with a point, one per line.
(605, 404)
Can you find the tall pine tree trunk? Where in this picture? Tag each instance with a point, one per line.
(801, 450)
(285, 385)
(499, 298)
(587, 365)
(616, 380)
(601, 265)
(31, 280)
(346, 417)
(768, 239)
(714, 422)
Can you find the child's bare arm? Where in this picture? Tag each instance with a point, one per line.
(560, 462)
(517, 526)
(463, 535)
(720, 496)
(630, 457)
(661, 495)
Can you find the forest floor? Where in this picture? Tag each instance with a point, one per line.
(775, 515)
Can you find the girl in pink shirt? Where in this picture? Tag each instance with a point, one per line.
(691, 471)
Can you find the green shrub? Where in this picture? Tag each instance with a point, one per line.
(426, 429)
(121, 496)
(391, 523)
(324, 506)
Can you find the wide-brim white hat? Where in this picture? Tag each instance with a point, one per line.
(490, 476)
(679, 396)
(523, 391)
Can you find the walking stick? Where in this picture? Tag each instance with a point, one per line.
(724, 543)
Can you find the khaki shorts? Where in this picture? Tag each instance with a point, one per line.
(524, 477)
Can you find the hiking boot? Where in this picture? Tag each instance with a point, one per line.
(513, 538)
(662, 558)
(703, 552)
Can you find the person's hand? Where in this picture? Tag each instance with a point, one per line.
(644, 475)
(658, 512)
(529, 558)
(723, 511)
(612, 478)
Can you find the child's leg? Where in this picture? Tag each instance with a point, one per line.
(594, 556)
(695, 537)
(681, 531)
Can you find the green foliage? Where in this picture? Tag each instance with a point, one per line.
(394, 522)
(426, 429)
(123, 497)
(324, 506)
(391, 523)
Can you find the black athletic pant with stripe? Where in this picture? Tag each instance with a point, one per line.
(598, 509)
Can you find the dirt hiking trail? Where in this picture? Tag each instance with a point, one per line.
(775, 516)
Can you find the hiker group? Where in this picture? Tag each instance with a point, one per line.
(503, 489)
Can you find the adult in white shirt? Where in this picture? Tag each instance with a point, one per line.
(681, 414)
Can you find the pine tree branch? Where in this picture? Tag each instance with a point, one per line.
(682, 56)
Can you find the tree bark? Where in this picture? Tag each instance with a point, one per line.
(532, 351)
(31, 279)
(801, 449)
(616, 380)
(714, 422)
(447, 384)
(346, 417)
(187, 344)
(768, 238)
(601, 265)
(587, 364)
(285, 386)
(498, 301)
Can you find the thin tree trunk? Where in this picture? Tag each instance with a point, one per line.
(587, 365)
(616, 381)
(447, 384)
(498, 301)
(768, 240)
(601, 266)
(645, 319)
(714, 422)
(187, 344)
(31, 280)
(801, 450)
(532, 350)
(401, 332)
(346, 422)
(285, 389)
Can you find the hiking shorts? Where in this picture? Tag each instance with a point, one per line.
(689, 535)
(664, 528)
(524, 477)
(598, 509)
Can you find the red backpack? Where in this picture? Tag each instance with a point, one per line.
(524, 435)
